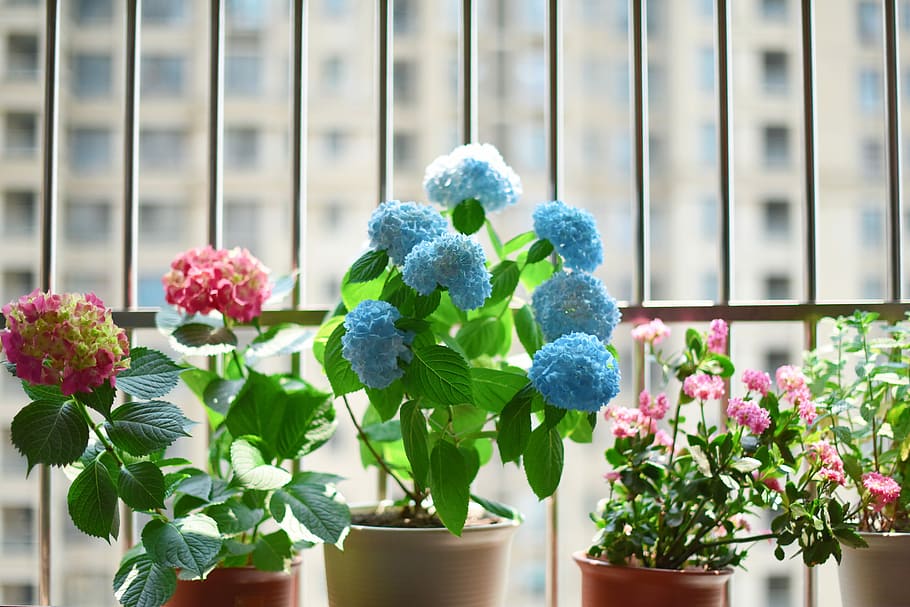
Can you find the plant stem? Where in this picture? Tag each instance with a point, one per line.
(869, 395)
(108, 446)
(381, 462)
(737, 540)
(675, 429)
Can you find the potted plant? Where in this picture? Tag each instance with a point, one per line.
(682, 491)
(860, 382)
(426, 329)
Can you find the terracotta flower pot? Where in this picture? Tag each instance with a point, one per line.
(606, 585)
(873, 576)
(397, 567)
(240, 587)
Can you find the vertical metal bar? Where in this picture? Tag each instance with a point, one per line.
(895, 181)
(216, 124)
(384, 96)
(468, 81)
(130, 191)
(298, 151)
(810, 576)
(638, 42)
(48, 257)
(725, 149)
(811, 177)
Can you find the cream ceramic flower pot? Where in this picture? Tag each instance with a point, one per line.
(874, 576)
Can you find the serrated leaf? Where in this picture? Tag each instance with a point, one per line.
(191, 544)
(139, 428)
(515, 425)
(505, 279)
(279, 340)
(49, 432)
(198, 339)
(529, 333)
(539, 251)
(468, 216)
(387, 400)
(341, 376)
(151, 374)
(233, 516)
(416, 441)
(220, 393)
(449, 485)
(92, 498)
(440, 375)
(42, 392)
(494, 388)
(273, 552)
(543, 460)
(141, 486)
(309, 508)
(352, 293)
(101, 399)
(322, 337)
(251, 469)
(141, 582)
(480, 336)
(369, 266)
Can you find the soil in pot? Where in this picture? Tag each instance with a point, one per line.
(240, 587)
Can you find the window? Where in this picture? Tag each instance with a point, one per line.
(404, 81)
(708, 286)
(776, 219)
(334, 74)
(656, 154)
(774, 10)
(872, 157)
(18, 528)
(163, 12)
(777, 286)
(17, 594)
(161, 222)
(241, 223)
(335, 8)
(620, 153)
(529, 147)
(872, 287)
(709, 216)
(657, 84)
(88, 221)
(241, 147)
(16, 283)
(869, 22)
(89, 149)
(872, 228)
(22, 57)
(775, 72)
(94, 11)
(162, 148)
(333, 215)
(11, 462)
(404, 16)
(19, 213)
(91, 75)
(708, 144)
(706, 69)
(21, 134)
(775, 358)
(404, 150)
(163, 75)
(777, 591)
(620, 83)
(870, 90)
(334, 143)
(243, 74)
(149, 295)
(248, 14)
(776, 146)
(657, 16)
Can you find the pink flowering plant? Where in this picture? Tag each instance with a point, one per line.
(860, 384)
(685, 493)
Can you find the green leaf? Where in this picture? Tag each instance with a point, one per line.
(252, 471)
(101, 399)
(342, 377)
(449, 485)
(233, 516)
(493, 507)
(352, 293)
(282, 287)
(480, 336)
(539, 251)
(200, 339)
(49, 432)
(494, 388)
(518, 242)
(746, 465)
(424, 305)
(387, 400)
(141, 582)
(191, 544)
(273, 552)
(529, 333)
(384, 432)
(534, 274)
(220, 393)
(46, 393)
(92, 498)
(322, 337)
(543, 460)
(515, 425)
(576, 426)
(468, 216)
(309, 508)
(140, 428)
(279, 340)
(440, 375)
(151, 374)
(370, 265)
(141, 486)
(416, 441)
(505, 279)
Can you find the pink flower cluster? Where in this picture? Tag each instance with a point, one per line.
(832, 467)
(67, 340)
(717, 336)
(653, 407)
(771, 482)
(791, 380)
(883, 489)
(628, 422)
(757, 381)
(702, 386)
(748, 413)
(652, 332)
(232, 282)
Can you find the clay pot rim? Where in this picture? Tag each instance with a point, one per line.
(582, 557)
(884, 533)
(295, 562)
(369, 507)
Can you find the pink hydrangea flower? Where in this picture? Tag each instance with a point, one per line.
(704, 387)
(757, 381)
(717, 336)
(790, 378)
(652, 332)
(807, 411)
(883, 489)
(832, 467)
(627, 422)
(749, 414)
(231, 282)
(655, 408)
(67, 340)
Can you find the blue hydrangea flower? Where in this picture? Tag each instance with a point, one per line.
(575, 302)
(576, 372)
(373, 344)
(454, 261)
(397, 226)
(476, 170)
(572, 232)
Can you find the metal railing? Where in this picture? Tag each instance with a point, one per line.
(808, 311)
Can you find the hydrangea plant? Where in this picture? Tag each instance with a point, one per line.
(427, 329)
(685, 495)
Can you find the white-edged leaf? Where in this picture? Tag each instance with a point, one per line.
(251, 469)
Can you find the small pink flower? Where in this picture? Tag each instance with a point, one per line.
(740, 522)
(790, 378)
(883, 489)
(757, 381)
(832, 467)
(627, 422)
(771, 482)
(662, 439)
(611, 476)
(749, 414)
(704, 387)
(717, 336)
(655, 408)
(652, 332)
(807, 411)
